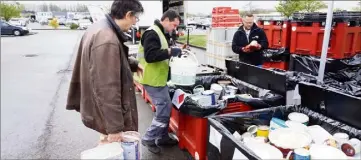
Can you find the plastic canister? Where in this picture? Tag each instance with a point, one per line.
(106, 151)
(131, 145)
(231, 90)
(211, 96)
(184, 69)
(217, 89)
(197, 90)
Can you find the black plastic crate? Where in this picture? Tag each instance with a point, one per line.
(337, 16)
(340, 106)
(222, 145)
(274, 80)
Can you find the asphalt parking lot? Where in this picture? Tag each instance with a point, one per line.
(35, 74)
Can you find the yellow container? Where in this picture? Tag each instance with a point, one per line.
(262, 131)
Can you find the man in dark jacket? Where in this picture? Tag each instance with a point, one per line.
(154, 54)
(249, 41)
(101, 87)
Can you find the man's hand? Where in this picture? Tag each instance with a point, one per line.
(246, 49)
(117, 137)
(140, 70)
(175, 52)
(255, 45)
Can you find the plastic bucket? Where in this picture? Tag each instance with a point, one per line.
(231, 90)
(131, 145)
(107, 151)
(211, 95)
(217, 90)
(184, 69)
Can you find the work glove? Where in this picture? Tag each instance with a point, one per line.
(175, 52)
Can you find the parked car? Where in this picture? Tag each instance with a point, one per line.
(84, 23)
(62, 21)
(17, 22)
(9, 29)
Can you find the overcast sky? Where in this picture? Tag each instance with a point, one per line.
(206, 6)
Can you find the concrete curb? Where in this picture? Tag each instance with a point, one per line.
(202, 48)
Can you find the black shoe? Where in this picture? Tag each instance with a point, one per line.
(151, 145)
(166, 141)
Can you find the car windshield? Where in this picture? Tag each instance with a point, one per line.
(5, 24)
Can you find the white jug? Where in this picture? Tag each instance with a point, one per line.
(184, 69)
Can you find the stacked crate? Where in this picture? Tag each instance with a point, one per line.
(278, 33)
(219, 46)
(308, 31)
(225, 17)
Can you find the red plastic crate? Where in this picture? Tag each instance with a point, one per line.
(278, 65)
(139, 87)
(192, 131)
(193, 135)
(235, 107)
(220, 9)
(149, 100)
(174, 121)
(278, 33)
(231, 11)
(344, 41)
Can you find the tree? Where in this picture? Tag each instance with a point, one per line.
(313, 5)
(44, 7)
(288, 7)
(81, 8)
(54, 23)
(9, 11)
(54, 8)
(337, 9)
(358, 8)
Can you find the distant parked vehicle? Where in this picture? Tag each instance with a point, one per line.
(62, 21)
(17, 22)
(9, 29)
(84, 23)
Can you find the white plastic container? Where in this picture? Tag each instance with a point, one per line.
(184, 69)
(217, 90)
(131, 145)
(107, 151)
(230, 31)
(231, 90)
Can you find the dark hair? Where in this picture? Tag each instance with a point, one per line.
(171, 15)
(121, 7)
(249, 14)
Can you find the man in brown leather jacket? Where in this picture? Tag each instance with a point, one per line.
(101, 88)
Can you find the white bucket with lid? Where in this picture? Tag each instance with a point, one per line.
(131, 145)
(106, 151)
(217, 89)
(231, 90)
(197, 90)
(184, 69)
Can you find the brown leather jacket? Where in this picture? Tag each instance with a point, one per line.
(101, 88)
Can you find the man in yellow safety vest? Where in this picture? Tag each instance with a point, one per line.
(154, 54)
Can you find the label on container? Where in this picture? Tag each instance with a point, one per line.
(284, 25)
(294, 28)
(131, 150)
